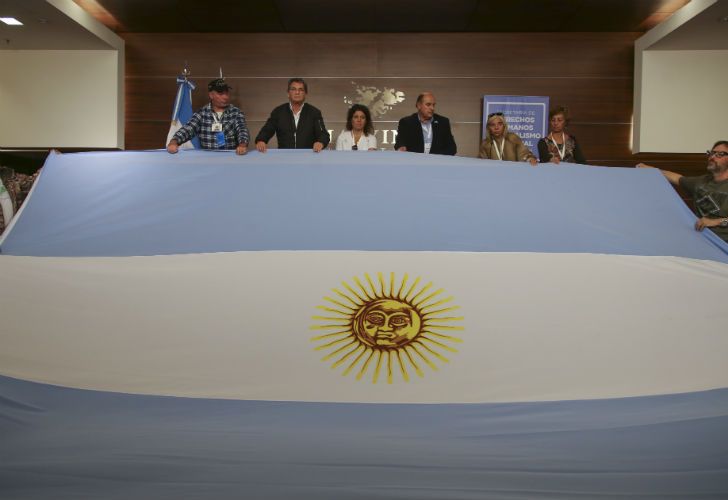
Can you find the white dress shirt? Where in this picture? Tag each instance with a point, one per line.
(346, 140)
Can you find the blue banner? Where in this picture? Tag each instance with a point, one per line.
(526, 116)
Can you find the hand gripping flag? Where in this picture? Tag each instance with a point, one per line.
(182, 111)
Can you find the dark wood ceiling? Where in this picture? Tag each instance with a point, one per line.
(380, 16)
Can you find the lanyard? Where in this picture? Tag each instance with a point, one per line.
(499, 151)
(561, 151)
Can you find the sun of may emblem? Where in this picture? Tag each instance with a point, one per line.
(386, 328)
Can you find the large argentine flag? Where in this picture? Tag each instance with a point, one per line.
(182, 112)
(359, 325)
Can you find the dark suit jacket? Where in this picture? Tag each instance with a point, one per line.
(409, 135)
(310, 129)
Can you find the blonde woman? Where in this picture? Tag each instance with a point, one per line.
(500, 144)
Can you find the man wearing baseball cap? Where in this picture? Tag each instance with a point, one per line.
(219, 124)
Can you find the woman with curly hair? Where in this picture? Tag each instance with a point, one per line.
(359, 133)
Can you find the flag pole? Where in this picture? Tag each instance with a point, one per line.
(182, 108)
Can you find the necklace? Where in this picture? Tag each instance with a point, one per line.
(356, 136)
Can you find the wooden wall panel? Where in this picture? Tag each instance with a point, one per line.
(590, 73)
(507, 54)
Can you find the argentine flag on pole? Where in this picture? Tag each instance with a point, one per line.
(182, 111)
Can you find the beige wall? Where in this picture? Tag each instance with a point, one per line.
(61, 98)
(684, 95)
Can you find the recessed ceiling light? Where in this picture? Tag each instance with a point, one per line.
(11, 21)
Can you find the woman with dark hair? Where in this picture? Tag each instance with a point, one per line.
(559, 146)
(359, 133)
(501, 144)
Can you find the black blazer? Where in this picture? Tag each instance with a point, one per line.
(409, 135)
(310, 129)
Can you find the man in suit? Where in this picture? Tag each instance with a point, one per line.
(296, 124)
(425, 131)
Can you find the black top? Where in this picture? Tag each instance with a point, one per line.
(572, 152)
(310, 128)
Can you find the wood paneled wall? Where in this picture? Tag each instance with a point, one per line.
(590, 73)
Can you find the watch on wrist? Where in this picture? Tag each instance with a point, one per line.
(724, 222)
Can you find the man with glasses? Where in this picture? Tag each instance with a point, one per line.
(425, 131)
(296, 124)
(709, 191)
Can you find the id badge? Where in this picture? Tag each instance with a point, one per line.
(220, 138)
(217, 127)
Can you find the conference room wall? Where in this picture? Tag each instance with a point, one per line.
(590, 73)
(61, 99)
(682, 93)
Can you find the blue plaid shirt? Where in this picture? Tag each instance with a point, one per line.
(200, 125)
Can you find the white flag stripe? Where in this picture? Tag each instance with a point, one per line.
(238, 325)
(173, 128)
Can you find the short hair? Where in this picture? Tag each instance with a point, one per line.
(720, 143)
(298, 80)
(559, 110)
(422, 96)
(368, 127)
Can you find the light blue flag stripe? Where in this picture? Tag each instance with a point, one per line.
(69, 443)
(148, 203)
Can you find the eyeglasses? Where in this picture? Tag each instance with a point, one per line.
(499, 113)
(355, 147)
(717, 154)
